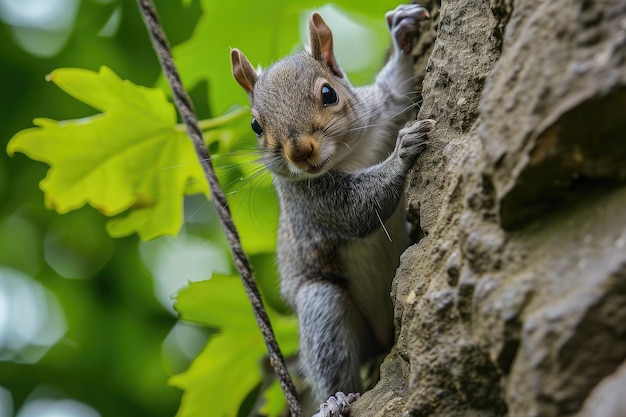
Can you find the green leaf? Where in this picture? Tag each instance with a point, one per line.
(229, 367)
(221, 376)
(130, 158)
(219, 302)
(273, 401)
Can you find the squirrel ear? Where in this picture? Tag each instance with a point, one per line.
(243, 71)
(321, 40)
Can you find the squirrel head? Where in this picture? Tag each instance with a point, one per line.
(303, 107)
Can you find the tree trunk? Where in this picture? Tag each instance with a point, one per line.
(513, 302)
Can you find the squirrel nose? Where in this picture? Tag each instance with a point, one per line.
(302, 150)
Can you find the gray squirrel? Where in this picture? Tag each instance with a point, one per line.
(339, 156)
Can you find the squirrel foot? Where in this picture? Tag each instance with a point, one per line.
(414, 137)
(403, 23)
(338, 405)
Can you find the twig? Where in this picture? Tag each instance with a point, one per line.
(185, 108)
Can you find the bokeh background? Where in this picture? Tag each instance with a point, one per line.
(85, 328)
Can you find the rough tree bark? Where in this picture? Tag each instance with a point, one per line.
(514, 300)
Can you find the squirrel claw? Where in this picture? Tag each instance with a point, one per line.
(403, 23)
(414, 137)
(338, 405)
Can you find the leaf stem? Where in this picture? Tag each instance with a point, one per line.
(216, 122)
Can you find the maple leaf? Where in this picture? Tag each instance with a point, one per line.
(228, 368)
(131, 158)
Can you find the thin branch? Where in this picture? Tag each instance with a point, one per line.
(185, 108)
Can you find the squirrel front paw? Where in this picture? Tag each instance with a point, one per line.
(338, 405)
(413, 138)
(403, 23)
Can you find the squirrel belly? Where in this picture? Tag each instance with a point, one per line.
(371, 264)
(363, 268)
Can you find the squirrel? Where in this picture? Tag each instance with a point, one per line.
(339, 156)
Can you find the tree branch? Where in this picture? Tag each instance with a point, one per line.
(185, 108)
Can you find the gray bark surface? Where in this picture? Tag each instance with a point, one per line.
(513, 302)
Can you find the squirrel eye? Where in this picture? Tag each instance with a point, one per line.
(256, 127)
(329, 95)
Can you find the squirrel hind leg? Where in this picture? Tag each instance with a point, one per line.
(332, 333)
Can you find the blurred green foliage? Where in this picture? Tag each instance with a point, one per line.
(118, 147)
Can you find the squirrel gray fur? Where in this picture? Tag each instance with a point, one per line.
(339, 157)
